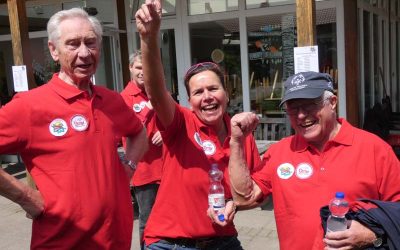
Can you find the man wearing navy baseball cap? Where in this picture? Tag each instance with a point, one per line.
(307, 85)
(325, 155)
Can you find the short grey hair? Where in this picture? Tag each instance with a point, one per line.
(53, 30)
(135, 56)
(326, 95)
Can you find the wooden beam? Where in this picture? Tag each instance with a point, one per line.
(123, 39)
(351, 59)
(306, 25)
(20, 37)
(20, 45)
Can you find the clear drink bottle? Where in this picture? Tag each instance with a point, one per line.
(216, 195)
(338, 207)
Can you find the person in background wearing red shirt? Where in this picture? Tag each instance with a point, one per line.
(147, 176)
(193, 140)
(65, 132)
(304, 171)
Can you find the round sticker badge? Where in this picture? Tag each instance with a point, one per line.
(79, 123)
(304, 171)
(198, 139)
(209, 147)
(285, 171)
(142, 104)
(137, 108)
(58, 127)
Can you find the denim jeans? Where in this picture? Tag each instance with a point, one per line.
(145, 197)
(223, 243)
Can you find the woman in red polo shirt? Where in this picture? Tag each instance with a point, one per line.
(193, 139)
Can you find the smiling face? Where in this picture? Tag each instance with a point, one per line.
(208, 98)
(137, 73)
(314, 119)
(77, 50)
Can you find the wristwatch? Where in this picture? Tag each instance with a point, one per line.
(130, 163)
(378, 241)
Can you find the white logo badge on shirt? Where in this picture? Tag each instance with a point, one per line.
(143, 104)
(79, 123)
(58, 127)
(198, 139)
(285, 171)
(137, 108)
(209, 147)
(304, 171)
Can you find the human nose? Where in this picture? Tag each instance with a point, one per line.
(207, 95)
(84, 51)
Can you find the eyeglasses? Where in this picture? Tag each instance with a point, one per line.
(307, 107)
(194, 69)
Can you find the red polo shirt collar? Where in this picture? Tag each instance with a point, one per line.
(344, 137)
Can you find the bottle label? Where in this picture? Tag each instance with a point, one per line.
(217, 202)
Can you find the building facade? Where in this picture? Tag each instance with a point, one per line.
(252, 40)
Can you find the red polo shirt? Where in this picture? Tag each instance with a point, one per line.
(67, 141)
(181, 205)
(303, 180)
(149, 168)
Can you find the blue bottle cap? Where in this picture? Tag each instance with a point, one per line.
(221, 217)
(339, 195)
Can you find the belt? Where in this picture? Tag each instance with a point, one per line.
(200, 243)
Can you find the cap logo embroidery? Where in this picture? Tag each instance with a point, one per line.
(297, 80)
(58, 127)
(79, 123)
(285, 171)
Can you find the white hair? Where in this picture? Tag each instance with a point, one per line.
(53, 30)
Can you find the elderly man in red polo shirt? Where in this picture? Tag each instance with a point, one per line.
(304, 171)
(66, 134)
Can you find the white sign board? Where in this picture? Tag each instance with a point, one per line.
(20, 78)
(306, 59)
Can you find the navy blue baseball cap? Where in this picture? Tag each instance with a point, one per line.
(306, 85)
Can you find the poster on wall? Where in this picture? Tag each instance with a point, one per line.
(20, 78)
(306, 59)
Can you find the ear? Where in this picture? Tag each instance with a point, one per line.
(333, 100)
(53, 50)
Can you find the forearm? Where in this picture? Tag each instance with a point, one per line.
(244, 191)
(13, 189)
(136, 146)
(154, 81)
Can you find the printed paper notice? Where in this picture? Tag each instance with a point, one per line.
(306, 59)
(20, 78)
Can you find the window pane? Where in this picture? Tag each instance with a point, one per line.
(218, 41)
(197, 7)
(271, 40)
(168, 8)
(252, 4)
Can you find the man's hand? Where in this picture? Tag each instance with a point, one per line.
(243, 124)
(32, 202)
(356, 237)
(148, 18)
(157, 139)
(229, 214)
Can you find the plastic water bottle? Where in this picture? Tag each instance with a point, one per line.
(338, 207)
(216, 196)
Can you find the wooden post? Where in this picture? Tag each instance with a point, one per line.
(20, 45)
(351, 59)
(20, 37)
(306, 25)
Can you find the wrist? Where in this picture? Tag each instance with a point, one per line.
(132, 165)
